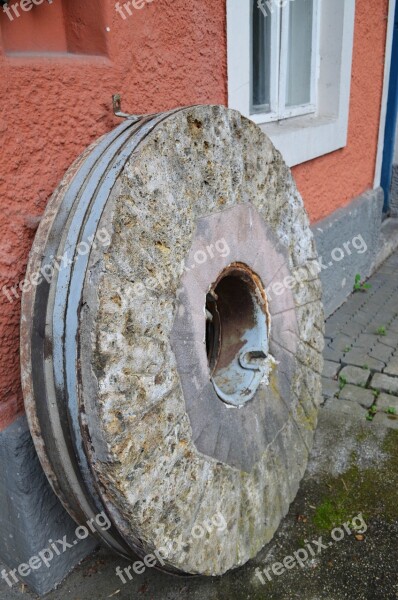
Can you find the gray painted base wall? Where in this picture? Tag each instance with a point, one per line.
(347, 242)
(31, 514)
(394, 192)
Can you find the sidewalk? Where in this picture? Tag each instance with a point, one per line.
(361, 353)
(353, 470)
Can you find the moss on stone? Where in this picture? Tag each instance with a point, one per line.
(370, 491)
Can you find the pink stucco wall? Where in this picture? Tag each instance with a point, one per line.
(168, 53)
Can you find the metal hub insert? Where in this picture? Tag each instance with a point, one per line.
(237, 328)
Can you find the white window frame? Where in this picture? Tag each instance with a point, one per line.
(304, 137)
(273, 113)
(278, 75)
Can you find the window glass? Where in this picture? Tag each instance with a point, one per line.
(298, 90)
(261, 47)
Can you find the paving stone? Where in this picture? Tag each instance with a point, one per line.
(341, 343)
(352, 329)
(385, 383)
(354, 393)
(394, 325)
(330, 369)
(345, 406)
(377, 317)
(390, 421)
(381, 352)
(363, 297)
(332, 355)
(390, 299)
(359, 357)
(330, 330)
(365, 340)
(347, 316)
(377, 279)
(389, 310)
(392, 366)
(361, 318)
(373, 327)
(355, 302)
(330, 387)
(367, 313)
(355, 375)
(391, 339)
(333, 327)
(385, 401)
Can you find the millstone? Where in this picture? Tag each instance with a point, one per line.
(171, 363)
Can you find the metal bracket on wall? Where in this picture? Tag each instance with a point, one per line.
(117, 109)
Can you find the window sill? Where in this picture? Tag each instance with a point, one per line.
(37, 58)
(300, 139)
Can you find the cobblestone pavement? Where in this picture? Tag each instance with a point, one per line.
(361, 353)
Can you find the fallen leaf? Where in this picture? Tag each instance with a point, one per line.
(302, 518)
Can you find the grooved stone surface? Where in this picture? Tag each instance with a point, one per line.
(146, 447)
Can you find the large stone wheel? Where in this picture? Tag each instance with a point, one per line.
(171, 366)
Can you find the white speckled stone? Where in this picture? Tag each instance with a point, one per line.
(196, 163)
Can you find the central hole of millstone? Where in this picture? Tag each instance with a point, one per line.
(237, 324)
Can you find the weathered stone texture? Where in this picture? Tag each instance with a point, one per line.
(196, 163)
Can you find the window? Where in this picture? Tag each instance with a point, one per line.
(284, 45)
(289, 70)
